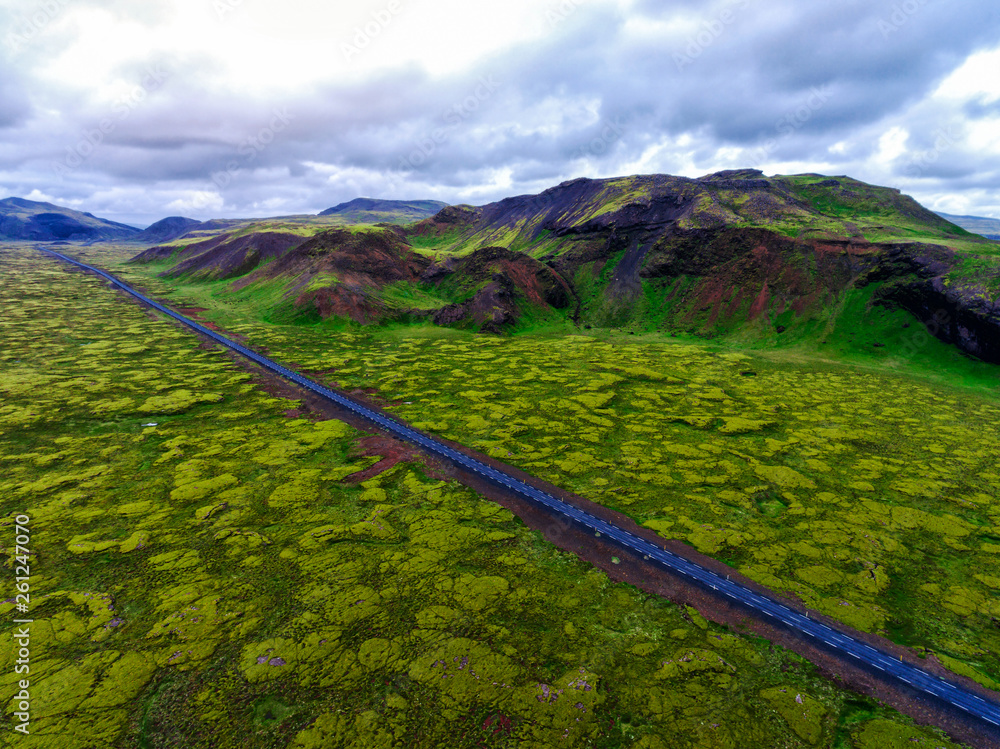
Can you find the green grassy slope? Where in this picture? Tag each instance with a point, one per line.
(793, 205)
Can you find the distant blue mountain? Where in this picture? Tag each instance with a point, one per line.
(44, 222)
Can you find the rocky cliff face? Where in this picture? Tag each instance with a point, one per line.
(721, 279)
(745, 275)
(916, 278)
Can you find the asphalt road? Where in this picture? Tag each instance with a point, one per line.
(772, 610)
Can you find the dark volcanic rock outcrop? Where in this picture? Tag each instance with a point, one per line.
(710, 255)
(501, 284)
(742, 274)
(963, 314)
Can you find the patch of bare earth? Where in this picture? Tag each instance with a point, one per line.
(195, 314)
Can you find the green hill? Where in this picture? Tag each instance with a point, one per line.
(772, 260)
(803, 260)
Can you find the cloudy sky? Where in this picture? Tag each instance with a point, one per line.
(135, 110)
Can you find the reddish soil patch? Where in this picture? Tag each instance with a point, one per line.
(195, 314)
(732, 265)
(539, 283)
(343, 301)
(737, 302)
(500, 723)
(392, 452)
(854, 248)
(505, 281)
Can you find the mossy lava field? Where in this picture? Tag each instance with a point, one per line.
(208, 569)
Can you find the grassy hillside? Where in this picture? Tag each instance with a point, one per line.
(787, 261)
(800, 206)
(736, 254)
(358, 273)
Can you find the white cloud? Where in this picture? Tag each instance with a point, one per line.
(40, 196)
(197, 202)
(261, 48)
(984, 136)
(975, 78)
(566, 69)
(892, 144)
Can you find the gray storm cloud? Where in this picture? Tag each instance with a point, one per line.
(602, 92)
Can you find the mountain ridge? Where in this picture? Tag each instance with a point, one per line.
(983, 225)
(22, 219)
(734, 253)
(375, 210)
(167, 229)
